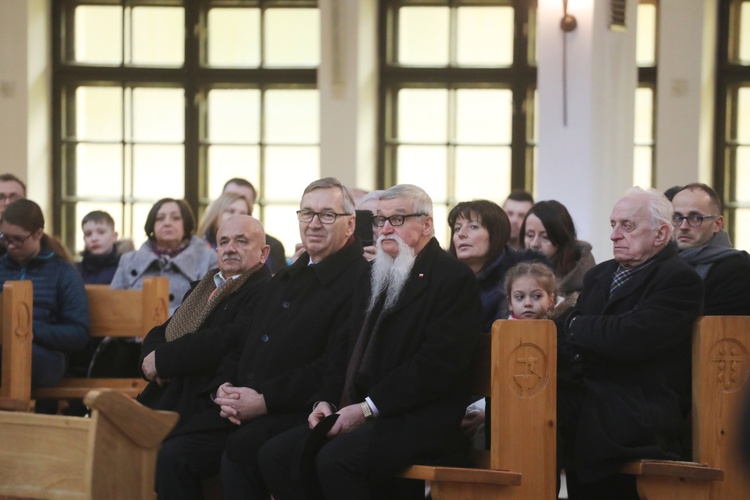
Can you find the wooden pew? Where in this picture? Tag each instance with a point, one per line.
(517, 368)
(111, 455)
(721, 364)
(116, 313)
(15, 385)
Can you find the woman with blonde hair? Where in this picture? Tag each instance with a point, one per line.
(218, 211)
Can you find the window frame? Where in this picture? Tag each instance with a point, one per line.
(520, 78)
(195, 77)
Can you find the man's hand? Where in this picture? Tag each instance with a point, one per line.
(350, 418)
(321, 411)
(149, 366)
(370, 253)
(240, 404)
(471, 422)
(299, 249)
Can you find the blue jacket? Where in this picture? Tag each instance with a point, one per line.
(61, 310)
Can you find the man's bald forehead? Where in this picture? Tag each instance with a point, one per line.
(242, 223)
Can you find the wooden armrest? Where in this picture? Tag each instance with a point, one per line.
(145, 427)
(463, 475)
(689, 470)
(77, 388)
(11, 404)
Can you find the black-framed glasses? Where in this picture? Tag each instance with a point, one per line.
(395, 220)
(692, 220)
(10, 198)
(323, 217)
(16, 241)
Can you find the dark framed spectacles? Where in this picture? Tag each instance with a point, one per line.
(16, 241)
(323, 217)
(395, 220)
(10, 198)
(692, 220)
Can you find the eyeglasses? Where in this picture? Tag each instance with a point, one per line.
(16, 241)
(692, 220)
(323, 217)
(395, 220)
(10, 198)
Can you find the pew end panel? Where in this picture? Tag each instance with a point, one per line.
(111, 455)
(720, 365)
(517, 367)
(16, 310)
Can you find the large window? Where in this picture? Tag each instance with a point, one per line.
(733, 118)
(645, 94)
(457, 98)
(170, 98)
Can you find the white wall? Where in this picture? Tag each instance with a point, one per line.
(25, 73)
(586, 163)
(685, 92)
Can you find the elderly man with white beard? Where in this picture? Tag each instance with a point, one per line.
(398, 394)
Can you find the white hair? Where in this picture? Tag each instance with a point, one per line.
(389, 275)
(421, 201)
(659, 206)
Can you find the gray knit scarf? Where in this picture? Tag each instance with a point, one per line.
(703, 257)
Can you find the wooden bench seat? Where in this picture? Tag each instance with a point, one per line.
(516, 366)
(111, 455)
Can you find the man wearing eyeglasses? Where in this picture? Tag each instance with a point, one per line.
(267, 387)
(624, 354)
(703, 243)
(11, 189)
(400, 392)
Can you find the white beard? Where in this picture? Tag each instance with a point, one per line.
(389, 275)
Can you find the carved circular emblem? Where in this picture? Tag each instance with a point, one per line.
(528, 370)
(730, 363)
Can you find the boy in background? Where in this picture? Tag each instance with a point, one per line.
(102, 249)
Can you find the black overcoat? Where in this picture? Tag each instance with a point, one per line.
(634, 353)
(304, 312)
(419, 383)
(191, 361)
(728, 287)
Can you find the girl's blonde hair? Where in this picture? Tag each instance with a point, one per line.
(541, 272)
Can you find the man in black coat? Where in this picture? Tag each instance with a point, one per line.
(268, 386)
(703, 243)
(624, 353)
(401, 388)
(180, 357)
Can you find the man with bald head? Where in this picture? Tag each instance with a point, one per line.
(703, 243)
(624, 353)
(180, 357)
(267, 385)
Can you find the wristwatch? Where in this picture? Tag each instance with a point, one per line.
(366, 411)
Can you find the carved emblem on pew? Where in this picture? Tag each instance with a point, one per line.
(528, 370)
(23, 315)
(730, 359)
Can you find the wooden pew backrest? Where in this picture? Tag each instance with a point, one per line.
(16, 310)
(117, 313)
